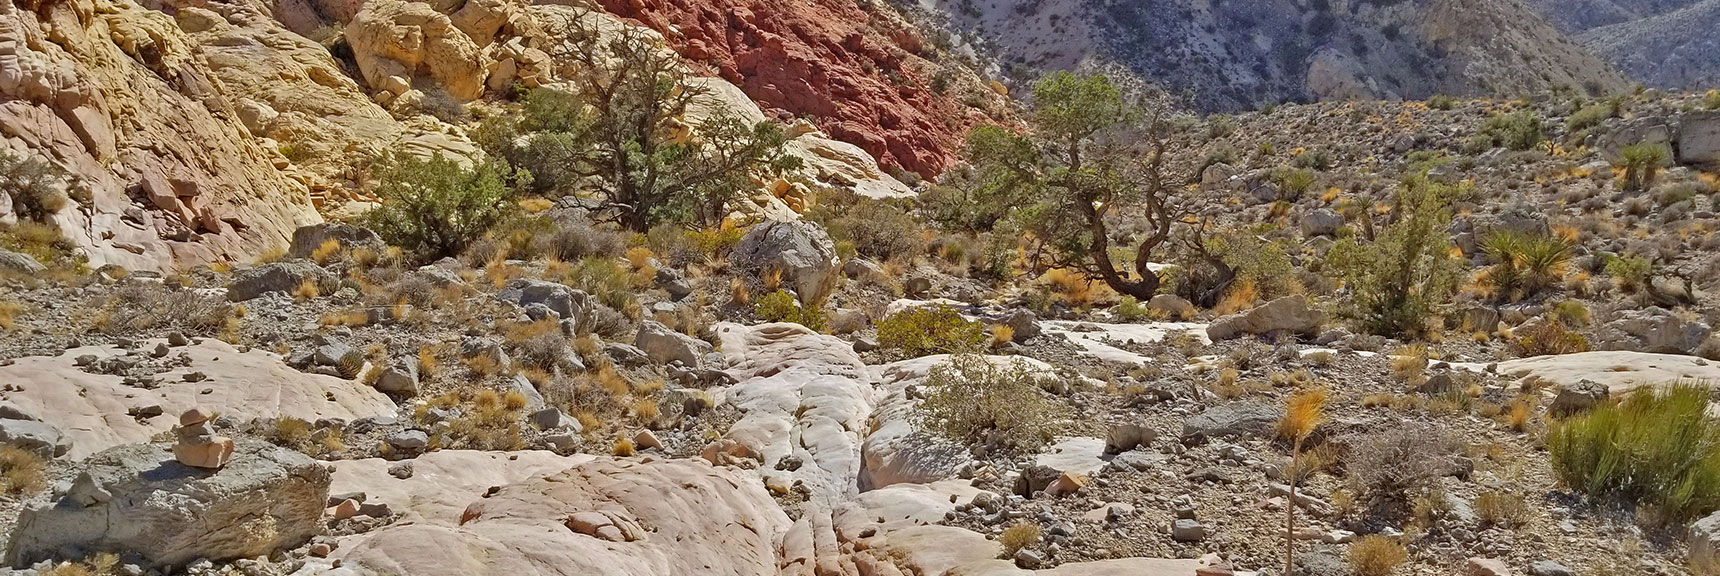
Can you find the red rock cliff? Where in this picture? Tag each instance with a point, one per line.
(857, 74)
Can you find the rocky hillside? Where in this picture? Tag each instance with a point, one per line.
(1240, 55)
(1666, 44)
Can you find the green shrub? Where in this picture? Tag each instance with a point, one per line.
(1711, 100)
(1547, 338)
(1293, 182)
(1631, 272)
(1656, 448)
(924, 330)
(1398, 281)
(782, 306)
(880, 230)
(1131, 309)
(1591, 115)
(972, 398)
(1520, 130)
(1441, 102)
(436, 207)
(604, 279)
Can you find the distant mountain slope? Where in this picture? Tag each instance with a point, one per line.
(1669, 44)
(1235, 54)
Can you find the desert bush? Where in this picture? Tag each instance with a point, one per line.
(1592, 115)
(139, 307)
(1394, 465)
(1016, 537)
(1441, 102)
(782, 306)
(604, 279)
(22, 472)
(978, 402)
(924, 330)
(877, 229)
(1292, 182)
(436, 207)
(1376, 555)
(30, 183)
(1657, 448)
(1548, 337)
(1130, 309)
(539, 344)
(1521, 130)
(1400, 280)
(1711, 100)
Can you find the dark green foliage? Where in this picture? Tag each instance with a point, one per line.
(436, 207)
(1641, 162)
(1523, 264)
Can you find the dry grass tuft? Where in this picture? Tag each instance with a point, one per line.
(21, 471)
(1016, 537)
(306, 290)
(1376, 555)
(329, 250)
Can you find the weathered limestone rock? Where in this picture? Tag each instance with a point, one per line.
(1288, 314)
(138, 498)
(663, 344)
(283, 277)
(801, 251)
(307, 239)
(1236, 419)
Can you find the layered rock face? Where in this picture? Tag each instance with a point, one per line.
(866, 76)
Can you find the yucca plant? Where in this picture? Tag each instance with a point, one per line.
(1641, 161)
(1524, 264)
(1656, 447)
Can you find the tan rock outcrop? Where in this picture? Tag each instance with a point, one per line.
(414, 41)
(120, 99)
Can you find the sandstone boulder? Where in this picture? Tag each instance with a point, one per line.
(799, 250)
(137, 498)
(37, 437)
(1652, 329)
(19, 264)
(566, 302)
(1704, 541)
(1289, 314)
